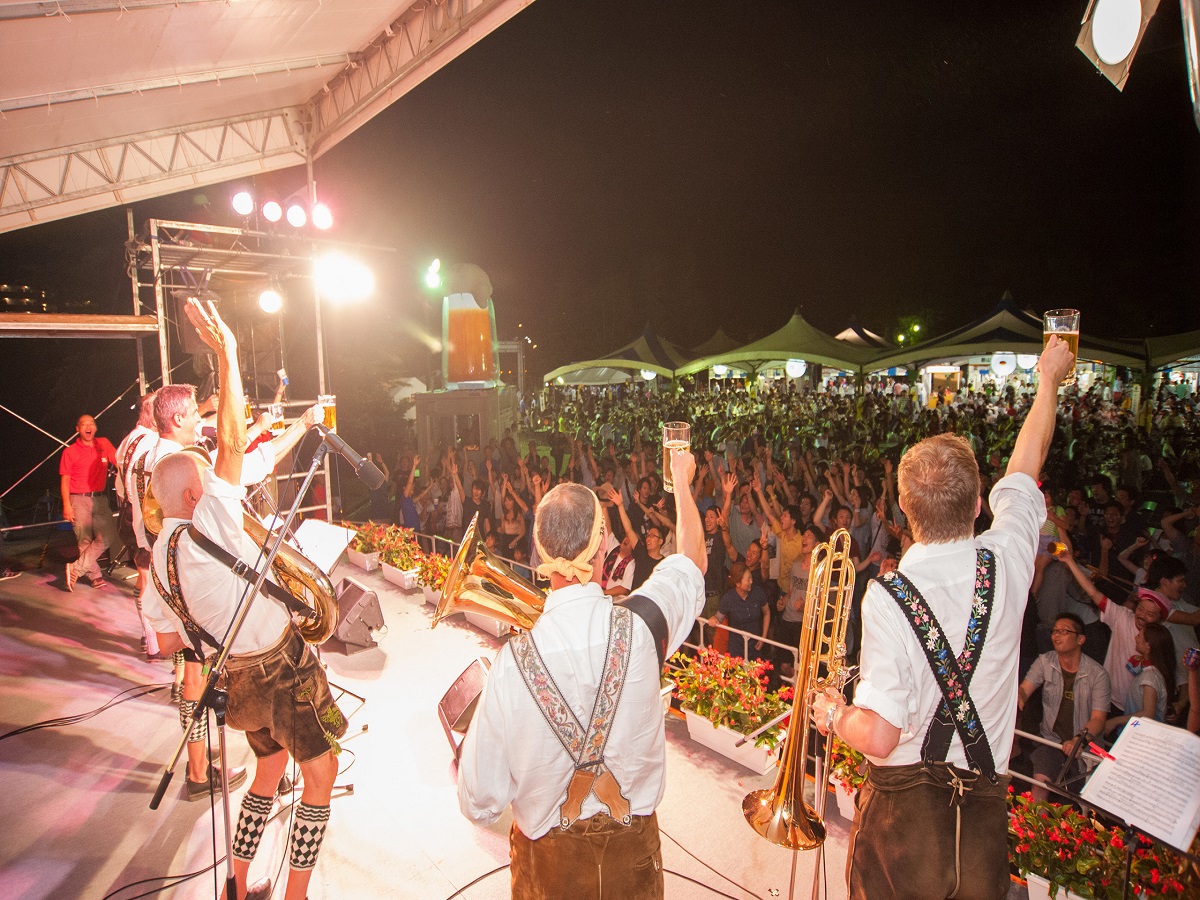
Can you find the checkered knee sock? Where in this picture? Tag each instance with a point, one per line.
(199, 730)
(307, 833)
(252, 822)
(177, 662)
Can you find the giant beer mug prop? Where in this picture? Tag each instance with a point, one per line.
(468, 342)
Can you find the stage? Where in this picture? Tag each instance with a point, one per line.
(75, 798)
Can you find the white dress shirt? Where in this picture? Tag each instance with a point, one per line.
(148, 437)
(211, 591)
(510, 755)
(897, 682)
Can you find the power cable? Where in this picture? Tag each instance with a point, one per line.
(141, 691)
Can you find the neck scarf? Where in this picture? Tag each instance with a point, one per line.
(579, 568)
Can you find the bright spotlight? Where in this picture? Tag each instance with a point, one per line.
(270, 301)
(1111, 32)
(243, 203)
(649, 374)
(341, 278)
(296, 216)
(272, 211)
(433, 277)
(322, 218)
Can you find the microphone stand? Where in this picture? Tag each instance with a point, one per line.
(217, 698)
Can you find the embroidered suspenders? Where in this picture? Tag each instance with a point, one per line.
(957, 711)
(173, 595)
(586, 749)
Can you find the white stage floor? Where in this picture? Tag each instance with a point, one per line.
(75, 798)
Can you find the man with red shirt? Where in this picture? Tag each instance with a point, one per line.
(84, 469)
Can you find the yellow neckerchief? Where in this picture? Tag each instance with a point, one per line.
(580, 567)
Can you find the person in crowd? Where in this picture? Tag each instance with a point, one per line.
(1153, 671)
(648, 554)
(278, 693)
(620, 566)
(583, 819)
(744, 607)
(1076, 695)
(83, 472)
(791, 605)
(937, 805)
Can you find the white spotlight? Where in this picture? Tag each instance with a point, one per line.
(243, 203)
(1115, 28)
(270, 301)
(272, 211)
(341, 278)
(322, 218)
(296, 216)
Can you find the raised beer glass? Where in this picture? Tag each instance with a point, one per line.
(676, 436)
(1064, 323)
(278, 426)
(328, 404)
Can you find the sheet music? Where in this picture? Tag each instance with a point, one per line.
(322, 543)
(1153, 783)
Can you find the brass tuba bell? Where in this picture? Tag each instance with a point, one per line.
(299, 575)
(479, 582)
(780, 814)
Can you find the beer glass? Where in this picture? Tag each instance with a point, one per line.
(249, 408)
(328, 404)
(1064, 323)
(676, 436)
(277, 424)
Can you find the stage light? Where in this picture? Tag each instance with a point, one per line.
(296, 216)
(270, 301)
(1111, 32)
(243, 203)
(341, 278)
(720, 371)
(796, 368)
(559, 380)
(649, 375)
(433, 277)
(272, 211)
(1027, 360)
(322, 218)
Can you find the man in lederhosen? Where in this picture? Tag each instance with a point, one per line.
(584, 792)
(936, 705)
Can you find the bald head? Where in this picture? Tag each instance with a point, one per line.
(177, 484)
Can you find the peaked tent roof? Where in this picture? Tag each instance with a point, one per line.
(1171, 348)
(1007, 327)
(648, 351)
(106, 102)
(795, 340)
(861, 337)
(720, 342)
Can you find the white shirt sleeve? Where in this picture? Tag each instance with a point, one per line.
(485, 780)
(885, 686)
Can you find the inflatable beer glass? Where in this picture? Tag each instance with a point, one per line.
(469, 353)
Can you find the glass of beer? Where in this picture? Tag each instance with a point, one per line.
(328, 404)
(1064, 323)
(249, 408)
(676, 436)
(277, 424)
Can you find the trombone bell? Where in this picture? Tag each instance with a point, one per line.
(480, 582)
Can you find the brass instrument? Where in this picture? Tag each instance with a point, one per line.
(780, 814)
(479, 582)
(298, 575)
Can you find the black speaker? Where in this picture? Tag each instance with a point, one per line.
(189, 341)
(457, 707)
(358, 615)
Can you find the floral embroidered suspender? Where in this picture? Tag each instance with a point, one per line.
(957, 711)
(173, 596)
(586, 749)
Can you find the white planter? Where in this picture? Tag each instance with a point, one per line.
(486, 624)
(668, 689)
(1039, 889)
(402, 578)
(845, 800)
(722, 740)
(366, 561)
(432, 597)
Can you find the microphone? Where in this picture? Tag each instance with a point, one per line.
(363, 468)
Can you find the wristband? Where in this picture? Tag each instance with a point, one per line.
(830, 716)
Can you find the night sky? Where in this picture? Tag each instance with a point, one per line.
(695, 165)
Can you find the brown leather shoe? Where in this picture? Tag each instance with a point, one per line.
(260, 890)
(197, 790)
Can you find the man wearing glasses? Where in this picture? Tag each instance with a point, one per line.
(1075, 696)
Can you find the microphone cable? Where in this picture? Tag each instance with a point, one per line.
(134, 693)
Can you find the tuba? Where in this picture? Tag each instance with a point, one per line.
(780, 814)
(298, 575)
(479, 582)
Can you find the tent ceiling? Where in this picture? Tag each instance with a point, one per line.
(115, 101)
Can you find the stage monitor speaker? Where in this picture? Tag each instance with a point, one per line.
(457, 707)
(189, 341)
(358, 615)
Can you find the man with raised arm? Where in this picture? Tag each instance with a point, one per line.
(583, 793)
(278, 693)
(936, 705)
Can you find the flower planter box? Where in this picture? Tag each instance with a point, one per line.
(667, 691)
(366, 561)
(1039, 889)
(432, 597)
(486, 624)
(402, 578)
(722, 740)
(845, 800)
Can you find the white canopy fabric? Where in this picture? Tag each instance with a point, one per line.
(795, 340)
(1172, 348)
(110, 101)
(648, 351)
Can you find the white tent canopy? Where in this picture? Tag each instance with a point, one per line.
(106, 102)
(648, 352)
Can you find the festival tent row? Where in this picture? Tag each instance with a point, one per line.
(1007, 328)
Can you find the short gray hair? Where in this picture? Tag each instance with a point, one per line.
(564, 520)
(171, 401)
